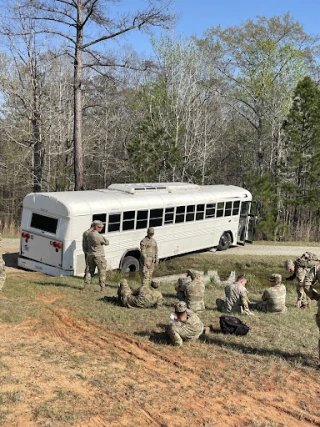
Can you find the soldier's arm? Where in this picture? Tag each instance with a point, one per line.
(143, 250)
(105, 241)
(265, 296)
(245, 302)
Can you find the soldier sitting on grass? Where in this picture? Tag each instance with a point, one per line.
(273, 298)
(185, 326)
(237, 300)
(191, 290)
(146, 297)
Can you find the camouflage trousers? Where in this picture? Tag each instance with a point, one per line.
(302, 296)
(318, 324)
(2, 273)
(93, 262)
(147, 274)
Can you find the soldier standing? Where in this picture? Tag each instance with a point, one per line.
(96, 256)
(310, 280)
(149, 256)
(192, 291)
(299, 273)
(85, 247)
(2, 268)
(185, 326)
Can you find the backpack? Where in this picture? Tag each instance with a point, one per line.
(307, 260)
(233, 325)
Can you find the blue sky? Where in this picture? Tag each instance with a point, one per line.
(196, 16)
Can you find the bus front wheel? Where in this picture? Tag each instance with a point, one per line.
(225, 242)
(129, 264)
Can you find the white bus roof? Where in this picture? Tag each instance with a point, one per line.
(119, 197)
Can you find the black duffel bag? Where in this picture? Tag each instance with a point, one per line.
(233, 325)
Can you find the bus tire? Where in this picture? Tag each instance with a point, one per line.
(225, 242)
(129, 264)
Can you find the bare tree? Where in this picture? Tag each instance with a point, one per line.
(85, 26)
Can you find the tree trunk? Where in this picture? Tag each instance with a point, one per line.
(77, 129)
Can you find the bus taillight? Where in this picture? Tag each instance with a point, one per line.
(56, 245)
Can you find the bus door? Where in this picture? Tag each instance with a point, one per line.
(247, 222)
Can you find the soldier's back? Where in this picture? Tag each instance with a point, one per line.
(195, 295)
(276, 302)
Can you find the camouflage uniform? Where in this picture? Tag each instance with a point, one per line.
(311, 278)
(96, 258)
(192, 292)
(299, 274)
(237, 300)
(85, 249)
(149, 255)
(145, 298)
(2, 268)
(190, 330)
(274, 298)
(180, 287)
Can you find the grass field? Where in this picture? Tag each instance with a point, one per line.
(73, 358)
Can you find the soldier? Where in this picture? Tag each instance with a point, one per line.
(274, 298)
(149, 256)
(299, 273)
(2, 268)
(85, 247)
(309, 281)
(95, 255)
(237, 300)
(192, 291)
(185, 326)
(145, 297)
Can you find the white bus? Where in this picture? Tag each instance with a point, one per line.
(186, 218)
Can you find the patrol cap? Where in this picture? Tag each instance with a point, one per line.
(97, 223)
(275, 278)
(193, 274)
(154, 284)
(150, 230)
(180, 307)
(288, 263)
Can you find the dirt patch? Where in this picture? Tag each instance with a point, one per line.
(62, 371)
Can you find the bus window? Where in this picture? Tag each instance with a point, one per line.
(102, 218)
(156, 216)
(228, 209)
(44, 223)
(210, 210)
(142, 219)
(114, 222)
(236, 206)
(168, 216)
(128, 220)
(191, 209)
(180, 214)
(245, 206)
(200, 212)
(220, 208)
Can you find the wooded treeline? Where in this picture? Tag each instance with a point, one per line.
(239, 106)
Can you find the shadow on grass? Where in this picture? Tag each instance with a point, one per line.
(60, 285)
(11, 260)
(292, 358)
(109, 300)
(155, 337)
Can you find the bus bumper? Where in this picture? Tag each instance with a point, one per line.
(29, 264)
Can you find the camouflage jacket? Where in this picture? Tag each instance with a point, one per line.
(309, 281)
(191, 329)
(96, 242)
(194, 294)
(149, 250)
(145, 298)
(237, 300)
(275, 299)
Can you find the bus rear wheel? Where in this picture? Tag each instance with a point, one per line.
(129, 264)
(225, 242)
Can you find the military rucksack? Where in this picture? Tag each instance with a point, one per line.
(307, 260)
(233, 325)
